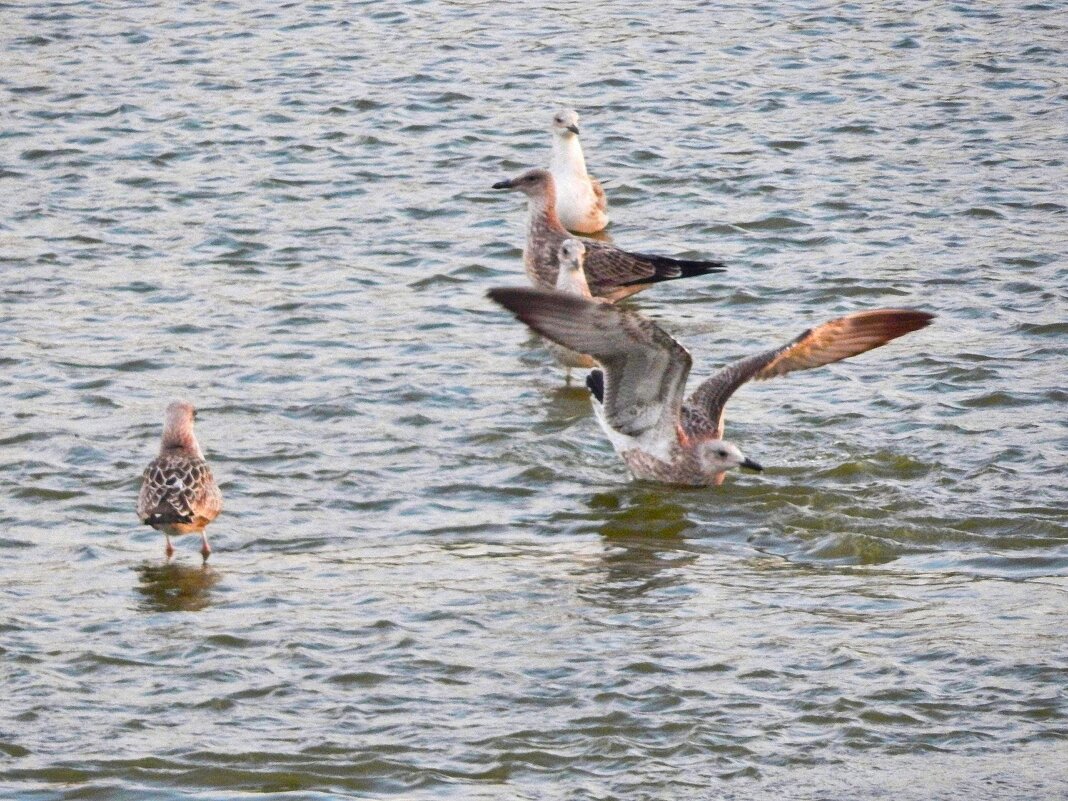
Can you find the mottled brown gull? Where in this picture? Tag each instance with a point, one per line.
(179, 494)
(580, 200)
(611, 273)
(638, 396)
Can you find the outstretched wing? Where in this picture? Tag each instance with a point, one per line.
(645, 369)
(831, 342)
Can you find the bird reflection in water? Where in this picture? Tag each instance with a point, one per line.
(645, 545)
(571, 401)
(174, 587)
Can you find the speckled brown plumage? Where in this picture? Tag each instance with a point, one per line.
(178, 491)
(611, 273)
(179, 494)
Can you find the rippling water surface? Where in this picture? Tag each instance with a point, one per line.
(432, 578)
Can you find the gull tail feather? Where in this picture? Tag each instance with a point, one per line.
(165, 516)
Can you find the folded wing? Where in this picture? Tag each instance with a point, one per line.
(178, 489)
(615, 273)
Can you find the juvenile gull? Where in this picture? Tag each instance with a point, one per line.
(179, 494)
(611, 273)
(571, 279)
(580, 200)
(638, 397)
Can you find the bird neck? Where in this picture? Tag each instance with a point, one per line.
(542, 215)
(567, 156)
(180, 439)
(573, 281)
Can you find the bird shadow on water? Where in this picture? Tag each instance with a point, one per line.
(640, 512)
(174, 587)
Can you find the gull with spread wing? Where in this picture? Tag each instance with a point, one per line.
(638, 395)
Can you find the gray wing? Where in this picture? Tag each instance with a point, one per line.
(645, 369)
(831, 342)
(178, 489)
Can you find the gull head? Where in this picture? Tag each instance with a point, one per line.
(571, 277)
(180, 413)
(532, 183)
(718, 456)
(565, 123)
(572, 253)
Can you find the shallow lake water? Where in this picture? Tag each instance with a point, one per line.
(432, 577)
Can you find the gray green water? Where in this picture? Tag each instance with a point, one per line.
(432, 578)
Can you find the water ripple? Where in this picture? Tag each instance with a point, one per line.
(432, 578)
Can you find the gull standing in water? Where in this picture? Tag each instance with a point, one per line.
(610, 272)
(580, 200)
(179, 494)
(638, 397)
(572, 279)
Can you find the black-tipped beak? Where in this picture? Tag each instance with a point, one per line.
(749, 464)
(573, 129)
(503, 184)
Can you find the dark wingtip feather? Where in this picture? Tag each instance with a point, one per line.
(898, 322)
(915, 320)
(668, 269)
(520, 299)
(514, 299)
(501, 295)
(921, 319)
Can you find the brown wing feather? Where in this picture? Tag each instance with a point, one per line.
(614, 274)
(839, 339)
(178, 489)
(831, 342)
(611, 273)
(608, 267)
(645, 369)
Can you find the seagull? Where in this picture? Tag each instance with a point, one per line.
(571, 279)
(638, 395)
(179, 494)
(612, 273)
(580, 200)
